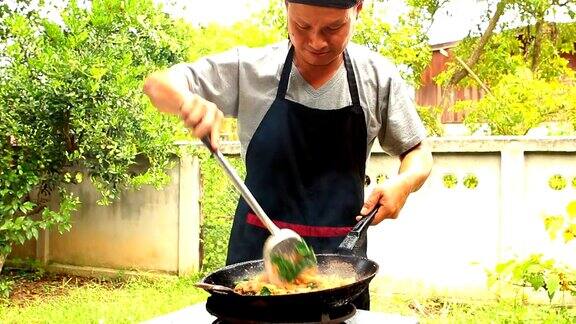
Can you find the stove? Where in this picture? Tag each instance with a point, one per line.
(202, 313)
(227, 313)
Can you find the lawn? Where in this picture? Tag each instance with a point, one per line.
(69, 299)
(441, 310)
(45, 298)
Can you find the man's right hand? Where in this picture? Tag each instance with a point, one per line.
(202, 117)
(170, 94)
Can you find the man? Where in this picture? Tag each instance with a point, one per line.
(308, 111)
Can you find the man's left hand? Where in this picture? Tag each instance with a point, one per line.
(390, 196)
(415, 167)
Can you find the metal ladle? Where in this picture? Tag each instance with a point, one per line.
(282, 242)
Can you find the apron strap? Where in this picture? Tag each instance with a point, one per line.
(351, 81)
(285, 76)
(350, 75)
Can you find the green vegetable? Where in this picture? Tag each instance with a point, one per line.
(288, 270)
(265, 291)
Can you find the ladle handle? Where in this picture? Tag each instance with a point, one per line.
(239, 184)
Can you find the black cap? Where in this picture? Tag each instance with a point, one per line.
(343, 4)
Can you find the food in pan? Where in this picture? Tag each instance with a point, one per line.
(287, 267)
(308, 280)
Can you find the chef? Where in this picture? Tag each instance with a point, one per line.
(309, 109)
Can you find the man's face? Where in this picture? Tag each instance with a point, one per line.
(320, 34)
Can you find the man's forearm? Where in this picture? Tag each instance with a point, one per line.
(166, 90)
(415, 167)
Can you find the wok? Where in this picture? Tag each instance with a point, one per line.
(345, 263)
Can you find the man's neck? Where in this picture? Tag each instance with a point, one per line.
(317, 75)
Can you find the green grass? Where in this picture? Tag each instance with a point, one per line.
(442, 310)
(501, 312)
(129, 302)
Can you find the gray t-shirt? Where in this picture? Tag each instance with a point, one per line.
(243, 81)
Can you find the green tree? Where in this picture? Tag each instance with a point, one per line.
(538, 45)
(71, 108)
(405, 43)
(497, 56)
(520, 102)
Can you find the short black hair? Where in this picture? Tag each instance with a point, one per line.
(342, 4)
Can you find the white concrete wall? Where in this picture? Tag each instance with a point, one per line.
(445, 239)
(147, 230)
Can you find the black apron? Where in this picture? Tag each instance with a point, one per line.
(306, 168)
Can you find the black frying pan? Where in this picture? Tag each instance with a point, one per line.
(220, 283)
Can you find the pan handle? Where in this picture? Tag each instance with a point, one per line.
(357, 234)
(216, 288)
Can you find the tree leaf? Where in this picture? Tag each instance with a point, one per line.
(569, 233)
(553, 224)
(536, 280)
(552, 280)
(98, 72)
(571, 210)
